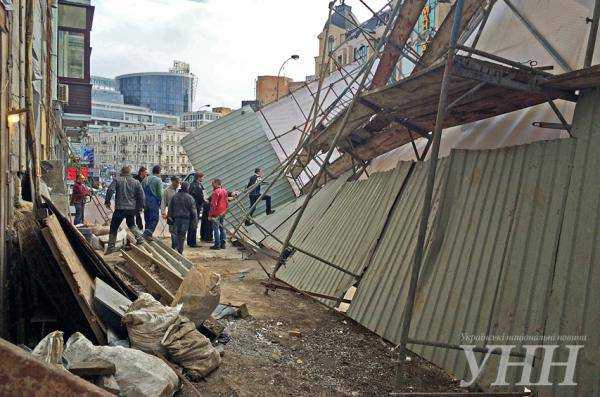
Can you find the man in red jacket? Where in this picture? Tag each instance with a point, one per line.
(78, 197)
(218, 208)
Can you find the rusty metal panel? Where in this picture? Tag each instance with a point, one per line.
(345, 235)
(379, 301)
(21, 374)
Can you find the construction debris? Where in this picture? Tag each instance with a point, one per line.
(110, 306)
(147, 321)
(142, 274)
(199, 294)
(80, 282)
(92, 368)
(137, 373)
(190, 349)
(50, 349)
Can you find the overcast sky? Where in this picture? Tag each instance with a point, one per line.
(227, 42)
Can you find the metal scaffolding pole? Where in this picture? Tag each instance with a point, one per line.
(332, 146)
(539, 37)
(437, 136)
(591, 44)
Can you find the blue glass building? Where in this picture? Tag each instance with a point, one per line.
(170, 93)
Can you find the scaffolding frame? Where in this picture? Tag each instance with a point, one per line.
(460, 29)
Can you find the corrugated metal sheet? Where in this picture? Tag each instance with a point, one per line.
(575, 300)
(381, 296)
(280, 223)
(345, 235)
(317, 206)
(493, 263)
(498, 229)
(273, 222)
(231, 148)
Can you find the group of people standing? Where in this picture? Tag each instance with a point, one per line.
(182, 205)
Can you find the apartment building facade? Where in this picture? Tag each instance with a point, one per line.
(139, 147)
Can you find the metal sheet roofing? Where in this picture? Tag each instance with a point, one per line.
(345, 235)
(231, 148)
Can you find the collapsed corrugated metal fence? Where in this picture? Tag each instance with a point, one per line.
(510, 251)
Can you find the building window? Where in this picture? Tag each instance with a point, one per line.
(360, 54)
(72, 17)
(330, 44)
(71, 49)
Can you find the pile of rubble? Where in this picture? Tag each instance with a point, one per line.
(144, 326)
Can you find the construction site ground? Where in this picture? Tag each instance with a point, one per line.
(332, 356)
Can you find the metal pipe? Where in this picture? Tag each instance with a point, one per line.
(266, 232)
(591, 44)
(560, 117)
(465, 95)
(503, 60)
(437, 136)
(552, 126)
(458, 347)
(540, 38)
(486, 15)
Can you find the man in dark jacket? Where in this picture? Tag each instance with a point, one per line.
(254, 195)
(129, 200)
(141, 177)
(182, 212)
(197, 192)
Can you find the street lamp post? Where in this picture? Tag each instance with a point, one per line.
(295, 58)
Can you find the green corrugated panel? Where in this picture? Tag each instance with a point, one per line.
(379, 301)
(230, 149)
(575, 300)
(272, 222)
(498, 227)
(345, 234)
(491, 251)
(280, 223)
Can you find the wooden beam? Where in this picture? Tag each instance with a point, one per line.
(147, 280)
(438, 46)
(165, 270)
(80, 282)
(93, 368)
(409, 14)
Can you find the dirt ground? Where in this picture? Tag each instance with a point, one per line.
(333, 356)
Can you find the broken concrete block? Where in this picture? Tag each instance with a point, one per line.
(211, 328)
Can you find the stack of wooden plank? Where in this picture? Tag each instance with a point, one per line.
(158, 268)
